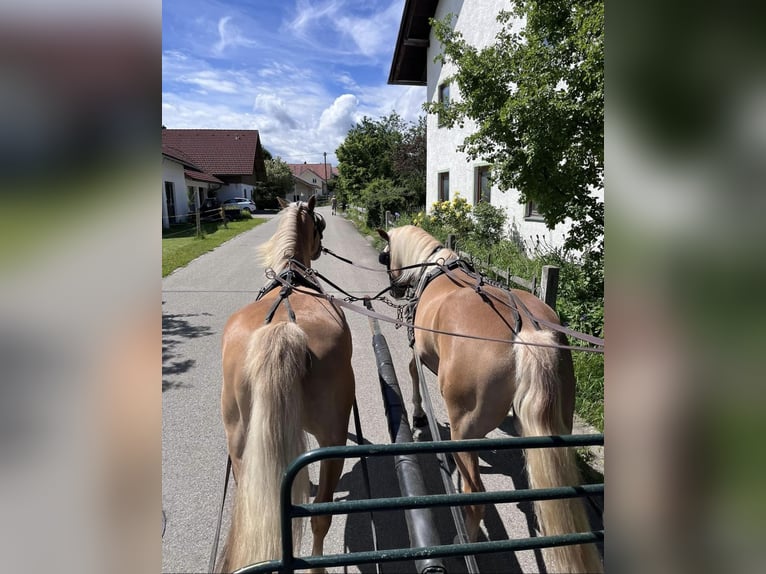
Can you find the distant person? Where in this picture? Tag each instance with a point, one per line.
(343, 206)
(334, 203)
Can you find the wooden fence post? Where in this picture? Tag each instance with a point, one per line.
(549, 285)
(451, 241)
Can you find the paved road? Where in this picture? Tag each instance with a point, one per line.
(197, 300)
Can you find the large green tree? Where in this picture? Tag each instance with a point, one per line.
(409, 161)
(366, 153)
(382, 164)
(537, 98)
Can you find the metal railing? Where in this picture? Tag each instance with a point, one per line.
(290, 511)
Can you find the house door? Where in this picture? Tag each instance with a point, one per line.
(170, 201)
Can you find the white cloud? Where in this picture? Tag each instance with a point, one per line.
(275, 107)
(371, 35)
(229, 35)
(308, 13)
(340, 116)
(212, 81)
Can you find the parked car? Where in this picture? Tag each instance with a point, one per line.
(241, 202)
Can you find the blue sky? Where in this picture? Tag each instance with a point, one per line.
(302, 72)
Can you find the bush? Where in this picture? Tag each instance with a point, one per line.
(488, 223)
(382, 195)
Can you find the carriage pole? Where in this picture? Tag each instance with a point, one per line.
(420, 521)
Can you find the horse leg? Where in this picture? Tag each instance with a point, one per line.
(470, 425)
(418, 415)
(468, 466)
(235, 423)
(329, 475)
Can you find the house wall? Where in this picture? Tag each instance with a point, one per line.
(314, 181)
(476, 21)
(302, 189)
(174, 172)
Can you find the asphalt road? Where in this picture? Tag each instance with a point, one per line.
(196, 302)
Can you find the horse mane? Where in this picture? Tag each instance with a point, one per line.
(280, 248)
(417, 246)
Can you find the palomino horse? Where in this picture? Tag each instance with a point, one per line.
(286, 369)
(480, 379)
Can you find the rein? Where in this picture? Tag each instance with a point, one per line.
(514, 303)
(401, 323)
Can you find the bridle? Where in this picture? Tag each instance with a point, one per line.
(384, 258)
(319, 227)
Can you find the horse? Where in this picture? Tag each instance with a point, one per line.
(286, 370)
(481, 380)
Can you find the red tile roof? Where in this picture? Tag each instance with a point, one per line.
(317, 168)
(178, 155)
(199, 176)
(219, 152)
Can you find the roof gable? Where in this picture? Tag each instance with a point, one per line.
(217, 152)
(321, 170)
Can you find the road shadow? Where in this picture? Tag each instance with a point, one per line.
(176, 329)
(501, 562)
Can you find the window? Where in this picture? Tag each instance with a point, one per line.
(532, 213)
(443, 99)
(170, 200)
(482, 190)
(444, 186)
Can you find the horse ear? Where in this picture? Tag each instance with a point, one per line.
(312, 202)
(383, 234)
(282, 203)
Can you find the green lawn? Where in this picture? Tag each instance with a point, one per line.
(180, 244)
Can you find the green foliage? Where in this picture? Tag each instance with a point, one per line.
(279, 181)
(409, 161)
(379, 196)
(589, 400)
(386, 150)
(452, 216)
(537, 97)
(365, 154)
(488, 223)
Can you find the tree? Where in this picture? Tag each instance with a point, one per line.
(366, 152)
(537, 98)
(389, 153)
(409, 161)
(279, 182)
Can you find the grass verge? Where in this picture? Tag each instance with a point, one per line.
(180, 244)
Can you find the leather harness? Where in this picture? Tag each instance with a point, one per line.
(514, 304)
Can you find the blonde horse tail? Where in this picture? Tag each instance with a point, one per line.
(539, 405)
(276, 365)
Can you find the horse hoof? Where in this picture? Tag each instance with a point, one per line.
(419, 420)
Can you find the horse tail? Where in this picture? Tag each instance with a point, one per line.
(543, 374)
(276, 364)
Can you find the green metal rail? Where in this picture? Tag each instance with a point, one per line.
(290, 563)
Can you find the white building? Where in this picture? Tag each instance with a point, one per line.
(449, 172)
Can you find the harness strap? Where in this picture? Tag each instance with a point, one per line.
(214, 553)
(518, 303)
(401, 323)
